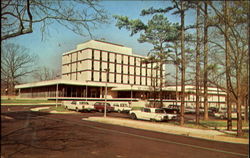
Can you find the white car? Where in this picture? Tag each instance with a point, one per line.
(121, 107)
(78, 106)
(223, 115)
(189, 109)
(152, 114)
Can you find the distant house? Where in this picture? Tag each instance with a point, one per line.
(94, 65)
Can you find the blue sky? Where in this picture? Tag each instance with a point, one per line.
(60, 40)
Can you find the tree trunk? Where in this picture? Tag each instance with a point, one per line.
(239, 117)
(227, 51)
(183, 67)
(176, 82)
(205, 62)
(161, 82)
(197, 118)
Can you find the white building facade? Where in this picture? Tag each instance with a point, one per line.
(91, 61)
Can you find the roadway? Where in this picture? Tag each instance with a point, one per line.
(38, 134)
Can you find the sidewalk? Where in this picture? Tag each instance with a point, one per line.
(172, 129)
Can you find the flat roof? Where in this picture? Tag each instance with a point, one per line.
(60, 81)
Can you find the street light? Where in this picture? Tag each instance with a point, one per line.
(106, 89)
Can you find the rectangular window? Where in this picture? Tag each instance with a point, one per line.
(97, 55)
(119, 68)
(125, 69)
(118, 78)
(132, 60)
(125, 59)
(111, 77)
(111, 67)
(118, 58)
(112, 57)
(125, 78)
(97, 65)
(105, 56)
(131, 70)
(74, 57)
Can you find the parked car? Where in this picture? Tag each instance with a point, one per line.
(222, 110)
(121, 107)
(223, 115)
(172, 109)
(213, 109)
(78, 106)
(189, 109)
(152, 114)
(100, 106)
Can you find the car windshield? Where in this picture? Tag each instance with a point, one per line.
(159, 111)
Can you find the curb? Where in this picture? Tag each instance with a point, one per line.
(52, 112)
(39, 108)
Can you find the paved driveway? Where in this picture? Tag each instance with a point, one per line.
(38, 135)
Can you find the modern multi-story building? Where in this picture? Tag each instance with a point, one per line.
(99, 61)
(95, 65)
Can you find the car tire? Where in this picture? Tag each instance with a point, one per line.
(133, 116)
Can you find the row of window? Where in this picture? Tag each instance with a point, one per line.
(112, 78)
(110, 57)
(118, 64)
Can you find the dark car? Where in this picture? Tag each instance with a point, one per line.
(172, 109)
(213, 110)
(100, 106)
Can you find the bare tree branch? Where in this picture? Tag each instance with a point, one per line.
(79, 16)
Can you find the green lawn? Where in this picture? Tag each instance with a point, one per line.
(221, 123)
(216, 123)
(210, 123)
(26, 101)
